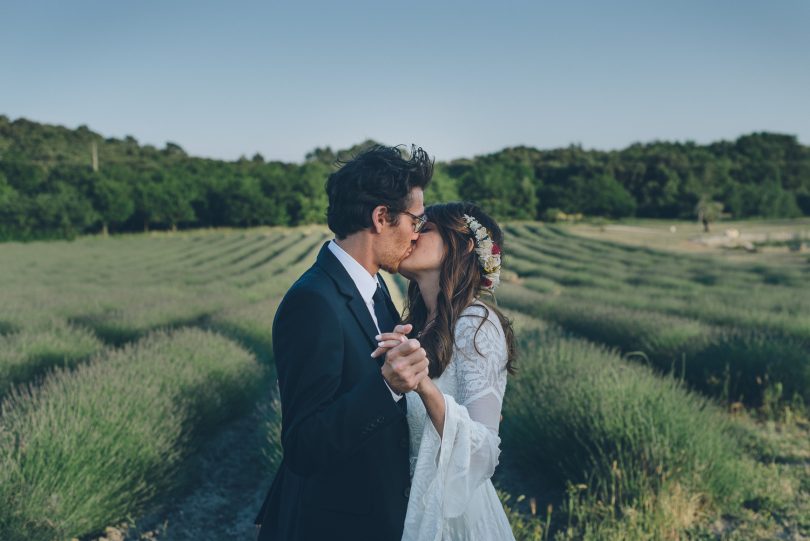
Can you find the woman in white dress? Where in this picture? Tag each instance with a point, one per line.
(454, 414)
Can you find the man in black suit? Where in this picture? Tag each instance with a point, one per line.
(345, 472)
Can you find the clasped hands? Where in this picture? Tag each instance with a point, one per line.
(406, 362)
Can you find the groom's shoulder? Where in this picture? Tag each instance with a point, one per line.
(311, 297)
(314, 283)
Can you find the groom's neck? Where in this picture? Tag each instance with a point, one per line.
(359, 246)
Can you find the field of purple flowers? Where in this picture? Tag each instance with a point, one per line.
(659, 396)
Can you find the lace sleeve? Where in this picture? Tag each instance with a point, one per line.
(451, 468)
(480, 356)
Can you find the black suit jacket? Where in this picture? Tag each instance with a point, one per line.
(345, 472)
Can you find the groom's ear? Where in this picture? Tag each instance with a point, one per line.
(379, 217)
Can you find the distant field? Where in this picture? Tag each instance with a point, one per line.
(688, 236)
(662, 392)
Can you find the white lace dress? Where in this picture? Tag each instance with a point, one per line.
(452, 496)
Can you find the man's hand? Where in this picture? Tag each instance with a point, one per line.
(406, 363)
(405, 366)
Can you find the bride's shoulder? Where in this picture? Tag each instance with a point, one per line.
(479, 336)
(478, 317)
(479, 310)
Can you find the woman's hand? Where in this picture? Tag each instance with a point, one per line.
(388, 340)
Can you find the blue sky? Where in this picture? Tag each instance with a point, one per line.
(459, 78)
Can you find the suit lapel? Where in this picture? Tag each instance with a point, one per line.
(361, 314)
(345, 284)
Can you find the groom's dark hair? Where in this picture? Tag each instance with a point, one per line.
(377, 176)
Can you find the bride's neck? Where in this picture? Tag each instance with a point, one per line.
(429, 289)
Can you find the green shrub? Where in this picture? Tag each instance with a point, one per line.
(135, 312)
(661, 337)
(736, 364)
(28, 353)
(582, 416)
(110, 440)
(251, 325)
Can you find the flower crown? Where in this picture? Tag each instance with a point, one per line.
(489, 253)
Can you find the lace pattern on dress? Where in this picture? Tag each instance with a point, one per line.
(480, 352)
(451, 494)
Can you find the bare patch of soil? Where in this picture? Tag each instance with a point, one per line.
(224, 498)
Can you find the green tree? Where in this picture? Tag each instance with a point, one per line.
(12, 212)
(245, 204)
(323, 155)
(64, 211)
(776, 202)
(505, 189)
(112, 200)
(274, 180)
(708, 212)
(605, 196)
(172, 201)
(442, 187)
(307, 202)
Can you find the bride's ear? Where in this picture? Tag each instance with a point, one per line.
(470, 245)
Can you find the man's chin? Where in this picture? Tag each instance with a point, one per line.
(399, 269)
(396, 266)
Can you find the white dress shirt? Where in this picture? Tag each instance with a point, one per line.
(366, 285)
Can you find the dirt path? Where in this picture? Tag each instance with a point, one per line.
(226, 495)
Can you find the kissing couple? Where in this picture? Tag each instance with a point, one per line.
(390, 424)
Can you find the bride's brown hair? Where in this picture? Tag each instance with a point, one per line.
(460, 282)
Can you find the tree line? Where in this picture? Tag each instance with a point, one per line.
(58, 183)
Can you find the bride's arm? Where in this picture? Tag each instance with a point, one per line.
(480, 357)
(460, 447)
(478, 369)
(433, 399)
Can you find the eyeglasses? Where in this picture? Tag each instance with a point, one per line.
(419, 223)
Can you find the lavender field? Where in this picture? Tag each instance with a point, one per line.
(661, 394)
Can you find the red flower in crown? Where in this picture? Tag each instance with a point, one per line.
(496, 250)
(487, 282)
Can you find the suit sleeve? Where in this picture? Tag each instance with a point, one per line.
(320, 428)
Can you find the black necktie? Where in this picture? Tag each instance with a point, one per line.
(386, 324)
(384, 320)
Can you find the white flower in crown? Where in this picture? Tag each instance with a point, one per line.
(489, 253)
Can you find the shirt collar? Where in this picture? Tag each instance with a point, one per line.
(365, 282)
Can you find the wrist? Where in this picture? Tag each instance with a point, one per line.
(426, 388)
(390, 387)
